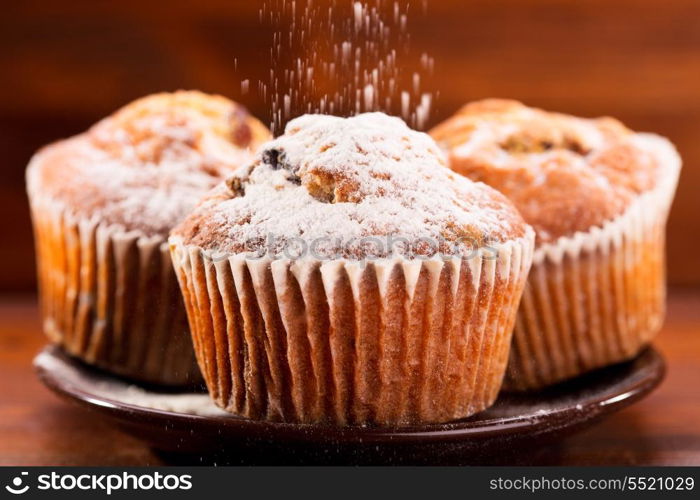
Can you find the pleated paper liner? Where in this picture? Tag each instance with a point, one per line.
(111, 298)
(597, 298)
(392, 341)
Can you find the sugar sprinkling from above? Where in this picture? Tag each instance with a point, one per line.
(344, 57)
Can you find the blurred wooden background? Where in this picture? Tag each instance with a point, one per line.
(67, 64)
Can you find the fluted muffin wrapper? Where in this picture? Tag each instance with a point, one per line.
(392, 341)
(110, 297)
(597, 298)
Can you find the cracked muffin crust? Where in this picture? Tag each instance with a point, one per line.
(564, 174)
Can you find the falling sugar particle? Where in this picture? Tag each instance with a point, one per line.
(405, 103)
(358, 8)
(287, 104)
(369, 97)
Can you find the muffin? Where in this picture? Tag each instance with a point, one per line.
(103, 203)
(598, 196)
(348, 277)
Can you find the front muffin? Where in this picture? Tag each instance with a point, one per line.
(348, 277)
(102, 205)
(598, 197)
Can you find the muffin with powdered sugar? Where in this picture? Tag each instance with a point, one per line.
(347, 276)
(103, 203)
(598, 196)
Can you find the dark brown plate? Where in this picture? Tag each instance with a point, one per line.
(187, 428)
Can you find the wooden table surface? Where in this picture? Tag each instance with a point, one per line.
(36, 428)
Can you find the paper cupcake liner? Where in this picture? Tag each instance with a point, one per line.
(111, 298)
(392, 342)
(595, 299)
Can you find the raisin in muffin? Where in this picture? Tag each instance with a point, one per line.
(103, 203)
(347, 276)
(598, 196)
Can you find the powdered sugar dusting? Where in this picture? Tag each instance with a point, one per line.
(147, 166)
(332, 182)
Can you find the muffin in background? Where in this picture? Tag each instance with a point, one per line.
(348, 277)
(598, 196)
(103, 203)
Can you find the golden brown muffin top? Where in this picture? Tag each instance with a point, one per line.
(353, 188)
(564, 174)
(146, 166)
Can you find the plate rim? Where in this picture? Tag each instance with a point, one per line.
(502, 427)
